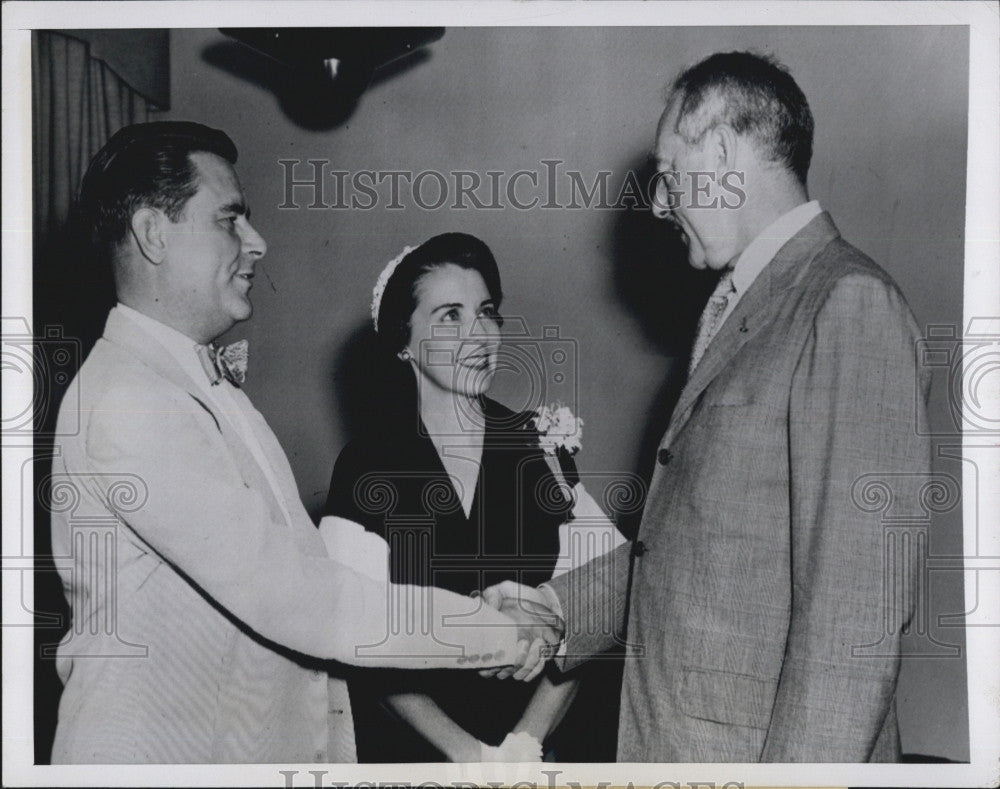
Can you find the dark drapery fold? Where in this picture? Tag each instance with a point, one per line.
(78, 102)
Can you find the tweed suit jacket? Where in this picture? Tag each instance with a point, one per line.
(206, 625)
(764, 621)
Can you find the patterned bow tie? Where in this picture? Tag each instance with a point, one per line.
(227, 361)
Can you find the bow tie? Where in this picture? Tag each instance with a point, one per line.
(226, 361)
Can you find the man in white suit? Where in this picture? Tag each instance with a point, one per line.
(204, 630)
(766, 604)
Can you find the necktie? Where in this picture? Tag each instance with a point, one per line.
(708, 323)
(226, 361)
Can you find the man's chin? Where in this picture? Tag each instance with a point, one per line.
(242, 311)
(697, 261)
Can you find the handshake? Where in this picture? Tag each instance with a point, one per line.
(540, 627)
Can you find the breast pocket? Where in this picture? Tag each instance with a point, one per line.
(732, 394)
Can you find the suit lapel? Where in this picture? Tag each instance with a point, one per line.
(755, 310)
(269, 444)
(136, 342)
(308, 539)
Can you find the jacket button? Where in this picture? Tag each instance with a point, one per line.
(664, 456)
(639, 548)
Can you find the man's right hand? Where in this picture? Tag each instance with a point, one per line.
(540, 629)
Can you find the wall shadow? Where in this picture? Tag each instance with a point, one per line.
(368, 389)
(654, 282)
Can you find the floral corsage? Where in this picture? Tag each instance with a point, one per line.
(587, 531)
(559, 437)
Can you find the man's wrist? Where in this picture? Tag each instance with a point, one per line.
(554, 604)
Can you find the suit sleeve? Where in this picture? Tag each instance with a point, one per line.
(594, 602)
(856, 396)
(203, 520)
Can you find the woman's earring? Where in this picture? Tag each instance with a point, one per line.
(404, 355)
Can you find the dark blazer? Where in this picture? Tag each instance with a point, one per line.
(763, 623)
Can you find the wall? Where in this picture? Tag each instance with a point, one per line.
(890, 109)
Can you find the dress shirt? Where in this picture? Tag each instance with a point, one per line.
(763, 248)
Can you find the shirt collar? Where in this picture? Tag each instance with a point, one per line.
(765, 246)
(181, 347)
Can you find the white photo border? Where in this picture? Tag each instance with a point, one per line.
(982, 285)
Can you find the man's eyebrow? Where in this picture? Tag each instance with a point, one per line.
(237, 207)
(656, 155)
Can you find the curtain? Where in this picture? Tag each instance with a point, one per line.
(78, 102)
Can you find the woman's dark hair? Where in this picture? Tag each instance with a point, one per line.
(400, 297)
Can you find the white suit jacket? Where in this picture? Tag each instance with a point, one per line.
(203, 621)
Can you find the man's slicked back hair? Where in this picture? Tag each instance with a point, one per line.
(145, 165)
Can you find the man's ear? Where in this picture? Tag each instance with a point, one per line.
(148, 226)
(725, 144)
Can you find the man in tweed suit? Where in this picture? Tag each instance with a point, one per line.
(758, 582)
(204, 628)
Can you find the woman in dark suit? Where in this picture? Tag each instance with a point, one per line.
(459, 488)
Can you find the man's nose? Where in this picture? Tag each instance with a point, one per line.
(660, 211)
(253, 242)
(661, 200)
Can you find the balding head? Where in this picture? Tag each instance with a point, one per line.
(757, 97)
